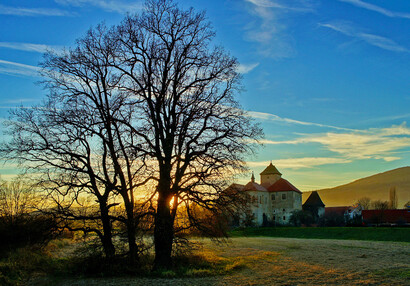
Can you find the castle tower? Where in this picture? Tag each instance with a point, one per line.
(270, 175)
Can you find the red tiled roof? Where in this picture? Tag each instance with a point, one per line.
(283, 185)
(337, 210)
(251, 186)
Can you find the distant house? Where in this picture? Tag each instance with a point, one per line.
(273, 200)
(350, 214)
(314, 205)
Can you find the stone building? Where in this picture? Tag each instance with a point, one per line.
(273, 200)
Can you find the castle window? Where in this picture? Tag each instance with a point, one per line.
(273, 218)
(284, 210)
(283, 196)
(284, 218)
(273, 197)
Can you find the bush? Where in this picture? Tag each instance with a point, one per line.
(301, 217)
(25, 230)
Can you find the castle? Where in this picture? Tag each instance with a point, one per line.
(273, 200)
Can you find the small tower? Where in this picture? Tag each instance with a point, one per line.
(253, 178)
(270, 175)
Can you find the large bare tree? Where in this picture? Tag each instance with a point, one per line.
(74, 140)
(189, 122)
(149, 99)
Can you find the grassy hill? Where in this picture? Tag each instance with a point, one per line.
(375, 187)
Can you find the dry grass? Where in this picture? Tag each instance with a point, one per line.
(287, 261)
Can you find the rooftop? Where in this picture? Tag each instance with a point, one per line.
(270, 170)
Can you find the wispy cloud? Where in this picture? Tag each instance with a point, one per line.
(28, 47)
(374, 143)
(13, 68)
(273, 117)
(374, 40)
(22, 11)
(377, 9)
(107, 5)
(246, 68)
(270, 29)
(299, 163)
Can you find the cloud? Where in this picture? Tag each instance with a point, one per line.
(20, 11)
(269, 29)
(374, 40)
(28, 47)
(273, 117)
(374, 143)
(375, 8)
(13, 68)
(107, 5)
(246, 68)
(299, 163)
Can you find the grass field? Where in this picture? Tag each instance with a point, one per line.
(399, 234)
(245, 261)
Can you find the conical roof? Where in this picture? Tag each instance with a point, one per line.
(270, 170)
(314, 200)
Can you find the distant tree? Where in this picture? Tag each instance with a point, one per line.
(16, 198)
(380, 205)
(393, 198)
(365, 203)
(20, 222)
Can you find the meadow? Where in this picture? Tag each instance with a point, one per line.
(348, 233)
(241, 261)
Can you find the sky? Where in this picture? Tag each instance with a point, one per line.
(329, 81)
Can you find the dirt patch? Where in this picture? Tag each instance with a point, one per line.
(289, 261)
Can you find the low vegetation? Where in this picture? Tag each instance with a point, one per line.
(349, 233)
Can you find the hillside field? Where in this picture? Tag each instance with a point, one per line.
(375, 187)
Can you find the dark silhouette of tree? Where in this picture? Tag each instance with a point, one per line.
(149, 99)
(74, 140)
(380, 205)
(191, 126)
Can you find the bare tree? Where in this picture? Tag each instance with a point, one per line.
(380, 205)
(149, 99)
(365, 203)
(75, 142)
(16, 198)
(190, 125)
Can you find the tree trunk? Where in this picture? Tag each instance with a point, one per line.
(163, 233)
(108, 246)
(131, 234)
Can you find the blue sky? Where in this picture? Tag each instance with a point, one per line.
(327, 80)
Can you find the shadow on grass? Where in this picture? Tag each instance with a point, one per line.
(48, 266)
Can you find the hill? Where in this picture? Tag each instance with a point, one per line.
(375, 187)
